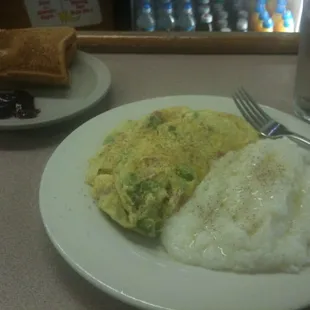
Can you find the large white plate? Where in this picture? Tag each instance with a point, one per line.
(127, 266)
(90, 81)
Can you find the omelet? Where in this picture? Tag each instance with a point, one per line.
(148, 168)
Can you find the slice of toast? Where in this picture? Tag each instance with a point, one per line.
(37, 55)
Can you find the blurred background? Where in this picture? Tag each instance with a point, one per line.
(155, 15)
(216, 15)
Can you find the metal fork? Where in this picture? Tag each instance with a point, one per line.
(262, 122)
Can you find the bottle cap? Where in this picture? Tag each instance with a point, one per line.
(264, 15)
(259, 8)
(187, 6)
(282, 2)
(287, 14)
(280, 9)
(207, 18)
(268, 23)
(262, 2)
(146, 6)
(168, 6)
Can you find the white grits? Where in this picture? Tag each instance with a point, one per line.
(251, 213)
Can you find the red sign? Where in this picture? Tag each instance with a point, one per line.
(43, 12)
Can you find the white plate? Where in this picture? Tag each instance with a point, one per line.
(128, 266)
(90, 81)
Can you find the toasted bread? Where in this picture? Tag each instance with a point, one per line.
(37, 55)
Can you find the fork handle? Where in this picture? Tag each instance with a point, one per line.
(302, 141)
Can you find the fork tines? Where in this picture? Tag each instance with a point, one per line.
(250, 110)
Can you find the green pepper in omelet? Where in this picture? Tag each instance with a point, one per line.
(148, 168)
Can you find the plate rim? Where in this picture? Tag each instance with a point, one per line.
(131, 300)
(103, 85)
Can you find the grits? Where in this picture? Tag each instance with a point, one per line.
(251, 213)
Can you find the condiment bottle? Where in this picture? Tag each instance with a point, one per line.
(277, 17)
(267, 25)
(289, 21)
(166, 20)
(255, 16)
(146, 21)
(205, 22)
(221, 24)
(221, 20)
(201, 15)
(242, 25)
(286, 24)
(186, 20)
(264, 15)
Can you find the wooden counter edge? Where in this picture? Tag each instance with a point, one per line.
(182, 43)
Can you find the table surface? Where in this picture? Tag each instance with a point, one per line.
(32, 273)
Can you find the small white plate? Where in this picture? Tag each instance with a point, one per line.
(90, 81)
(133, 268)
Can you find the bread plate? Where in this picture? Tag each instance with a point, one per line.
(90, 82)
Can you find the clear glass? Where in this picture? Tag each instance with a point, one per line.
(302, 81)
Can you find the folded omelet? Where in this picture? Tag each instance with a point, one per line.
(148, 168)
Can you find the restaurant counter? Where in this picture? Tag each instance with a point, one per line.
(33, 274)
